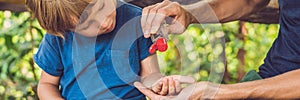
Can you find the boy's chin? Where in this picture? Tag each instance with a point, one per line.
(104, 32)
(108, 31)
(93, 33)
(100, 32)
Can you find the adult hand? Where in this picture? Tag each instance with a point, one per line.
(154, 15)
(150, 93)
(201, 90)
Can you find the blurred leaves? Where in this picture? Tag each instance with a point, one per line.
(17, 77)
(198, 51)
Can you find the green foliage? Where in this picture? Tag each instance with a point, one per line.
(198, 51)
(258, 40)
(19, 37)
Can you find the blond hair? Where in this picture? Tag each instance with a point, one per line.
(57, 16)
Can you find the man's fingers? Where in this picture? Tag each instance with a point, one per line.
(177, 28)
(183, 79)
(157, 22)
(151, 20)
(178, 25)
(163, 10)
(160, 14)
(153, 16)
(145, 90)
(145, 15)
(177, 86)
(179, 20)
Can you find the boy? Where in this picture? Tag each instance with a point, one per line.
(94, 50)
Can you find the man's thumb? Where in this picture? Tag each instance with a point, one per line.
(144, 89)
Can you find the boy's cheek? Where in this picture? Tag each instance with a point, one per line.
(95, 27)
(109, 24)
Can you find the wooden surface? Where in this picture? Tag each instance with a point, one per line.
(268, 15)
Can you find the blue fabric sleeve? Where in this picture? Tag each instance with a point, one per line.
(143, 43)
(47, 57)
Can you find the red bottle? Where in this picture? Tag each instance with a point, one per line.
(161, 44)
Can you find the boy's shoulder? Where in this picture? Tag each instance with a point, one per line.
(133, 7)
(56, 40)
(50, 38)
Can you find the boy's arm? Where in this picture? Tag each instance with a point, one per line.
(150, 71)
(48, 87)
(152, 78)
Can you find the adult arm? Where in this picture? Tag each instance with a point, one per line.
(48, 87)
(224, 10)
(206, 11)
(284, 86)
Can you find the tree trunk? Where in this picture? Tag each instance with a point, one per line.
(226, 77)
(242, 52)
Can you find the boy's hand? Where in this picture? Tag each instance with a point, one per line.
(171, 85)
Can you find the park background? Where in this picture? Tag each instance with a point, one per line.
(194, 53)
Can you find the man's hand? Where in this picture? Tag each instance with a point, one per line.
(196, 91)
(191, 92)
(153, 16)
(150, 93)
(279, 87)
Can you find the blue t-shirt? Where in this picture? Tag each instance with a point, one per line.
(284, 54)
(102, 67)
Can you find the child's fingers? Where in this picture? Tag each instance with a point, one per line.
(157, 88)
(177, 86)
(172, 89)
(184, 79)
(164, 90)
(148, 92)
